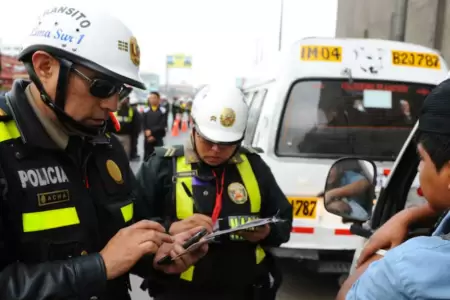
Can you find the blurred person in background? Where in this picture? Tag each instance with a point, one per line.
(134, 103)
(175, 109)
(154, 123)
(165, 106)
(130, 125)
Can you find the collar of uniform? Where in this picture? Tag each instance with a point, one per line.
(191, 157)
(55, 132)
(31, 129)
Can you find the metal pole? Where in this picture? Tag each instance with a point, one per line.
(399, 20)
(167, 78)
(280, 34)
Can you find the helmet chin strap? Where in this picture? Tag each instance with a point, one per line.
(60, 100)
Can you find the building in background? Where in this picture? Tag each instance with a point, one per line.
(10, 67)
(423, 22)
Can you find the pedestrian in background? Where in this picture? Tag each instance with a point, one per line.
(155, 123)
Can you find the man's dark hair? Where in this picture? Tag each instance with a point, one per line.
(437, 146)
(156, 94)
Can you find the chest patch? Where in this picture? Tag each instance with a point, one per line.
(53, 197)
(237, 193)
(114, 171)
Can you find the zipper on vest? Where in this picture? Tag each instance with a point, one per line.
(84, 170)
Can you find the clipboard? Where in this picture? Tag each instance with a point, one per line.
(211, 237)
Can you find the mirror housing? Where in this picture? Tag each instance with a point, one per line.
(350, 189)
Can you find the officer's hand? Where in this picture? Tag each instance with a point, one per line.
(182, 263)
(196, 220)
(130, 244)
(148, 132)
(260, 233)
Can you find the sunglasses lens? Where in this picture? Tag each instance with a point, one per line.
(125, 92)
(101, 88)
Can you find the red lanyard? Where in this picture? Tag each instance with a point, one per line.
(219, 192)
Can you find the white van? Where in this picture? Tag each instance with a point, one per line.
(331, 98)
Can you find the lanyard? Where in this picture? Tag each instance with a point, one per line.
(219, 192)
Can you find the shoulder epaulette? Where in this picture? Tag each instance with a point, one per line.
(5, 112)
(170, 151)
(250, 150)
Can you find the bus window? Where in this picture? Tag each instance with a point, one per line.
(335, 118)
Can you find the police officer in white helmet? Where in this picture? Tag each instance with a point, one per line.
(214, 182)
(68, 224)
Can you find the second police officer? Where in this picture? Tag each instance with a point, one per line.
(214, 182)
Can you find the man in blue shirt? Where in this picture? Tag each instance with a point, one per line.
(420, 267)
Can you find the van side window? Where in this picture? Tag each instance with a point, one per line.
(253, 117)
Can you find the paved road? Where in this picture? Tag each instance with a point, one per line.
(298, 283)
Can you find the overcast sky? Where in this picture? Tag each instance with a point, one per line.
(221, 35)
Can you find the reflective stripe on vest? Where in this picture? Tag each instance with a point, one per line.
(8, 131)
(50, 219)
(127, 119)
(127, 212)
(185, 206)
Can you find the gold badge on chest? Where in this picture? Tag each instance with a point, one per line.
(237, 193)
(114, 171)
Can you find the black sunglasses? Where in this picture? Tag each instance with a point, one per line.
(103, 88)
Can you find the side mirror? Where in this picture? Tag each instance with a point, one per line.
(350, 189)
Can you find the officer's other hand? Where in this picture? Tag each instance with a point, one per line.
(130, 244)
(174, 249)
(196, 220)
(260, 233)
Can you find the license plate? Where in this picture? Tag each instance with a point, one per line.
(304, 208)
(416, 59)
(321, 53)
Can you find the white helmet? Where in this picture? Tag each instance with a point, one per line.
(220, 114)
(93, 39)
(88, 37)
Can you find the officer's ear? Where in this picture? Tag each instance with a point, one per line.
(45, 66)
(47, 70)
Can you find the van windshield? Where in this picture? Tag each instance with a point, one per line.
(334, 118)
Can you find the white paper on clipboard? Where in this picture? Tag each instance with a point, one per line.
(210, 237)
